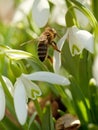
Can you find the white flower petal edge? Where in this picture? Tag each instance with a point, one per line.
(40, 12)
(57, 55)
(32, 89)
(9, 85)
(80, 39)
(20, 101)
(48, 77)
(95, 69)
(86, 39)
(2, 103)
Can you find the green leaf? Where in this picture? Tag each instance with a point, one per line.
(47, 121)
(4, 48)
(95, 8)
(17, 54)
(80, 103)
(9, 125)
(36, 64)
(32, 119)
(15, 69)
(93, 93)
(35, 126)
(69, 19)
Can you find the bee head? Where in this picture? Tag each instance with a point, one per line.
(52, 31)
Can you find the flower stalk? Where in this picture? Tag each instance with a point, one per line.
(38, 108)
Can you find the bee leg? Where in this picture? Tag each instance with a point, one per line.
(53, 44)
(50, 58)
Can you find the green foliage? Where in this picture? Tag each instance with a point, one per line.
(79, 98)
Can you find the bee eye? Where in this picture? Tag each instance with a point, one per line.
(55, 34)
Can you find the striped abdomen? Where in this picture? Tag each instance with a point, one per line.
(42, 51)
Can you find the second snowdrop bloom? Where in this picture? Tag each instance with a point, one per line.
(2, 96)
(78, 40)
(25, 88)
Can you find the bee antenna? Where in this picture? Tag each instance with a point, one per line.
(58, 35)
(24, 43)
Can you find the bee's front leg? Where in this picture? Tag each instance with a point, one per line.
(53, 44)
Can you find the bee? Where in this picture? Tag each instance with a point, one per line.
(44, 41)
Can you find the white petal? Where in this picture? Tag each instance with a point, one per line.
(20, 101)
(33, 91)
(60, 8)
(80, 39)
(2, 103)
(86, 39)
(40, 12)
(22, 10)
(48, 77)
(95, 69)
(82, 19)
(57, 55)
(9, 85)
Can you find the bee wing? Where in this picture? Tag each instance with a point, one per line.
(30, 41)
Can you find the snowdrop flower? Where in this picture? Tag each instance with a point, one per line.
(82, 19)
(2, 96)
(59, 8)
(24, 88)
(40, 12)
(95, 69)
(78, 40)
(23, 9)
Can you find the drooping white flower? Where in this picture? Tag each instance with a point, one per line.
(58, 12)
(25, 88)
(81, 18)
(2, 95)
(2, 102)
(23, 9)
(40, 12)
(78, 40)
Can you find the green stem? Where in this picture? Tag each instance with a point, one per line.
(38, 108)
(65, 99)
(25, 127)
